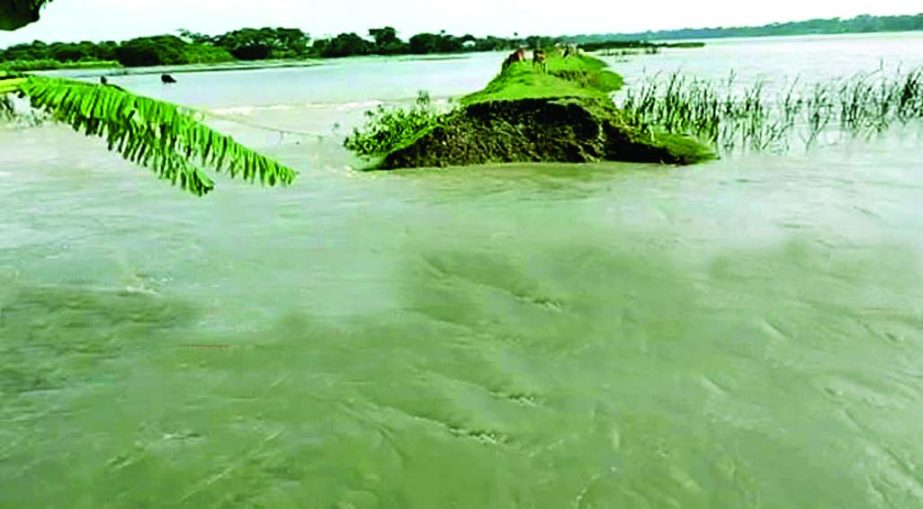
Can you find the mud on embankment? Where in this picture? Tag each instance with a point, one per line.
(571, 130)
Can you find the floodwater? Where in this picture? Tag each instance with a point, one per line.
(742, 334)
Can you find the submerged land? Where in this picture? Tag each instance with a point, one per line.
(561, 111)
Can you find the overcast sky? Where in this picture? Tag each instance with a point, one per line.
(74, 20)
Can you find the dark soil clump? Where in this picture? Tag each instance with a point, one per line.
(571, 130)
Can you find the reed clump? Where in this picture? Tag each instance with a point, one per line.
(733, 116)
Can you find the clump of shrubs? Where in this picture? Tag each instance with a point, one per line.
(388, 128)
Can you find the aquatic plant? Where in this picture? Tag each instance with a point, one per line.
(387, 128)
(735, 117)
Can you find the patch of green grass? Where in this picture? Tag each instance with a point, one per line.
(577, 76)
(686, 149)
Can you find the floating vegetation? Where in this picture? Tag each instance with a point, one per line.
(752, 117)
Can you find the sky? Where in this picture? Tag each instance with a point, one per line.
(75, 20)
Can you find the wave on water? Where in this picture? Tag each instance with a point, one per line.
(250, 110)
(364, 105)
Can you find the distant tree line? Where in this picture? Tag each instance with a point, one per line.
(256, 44)
(859, 24)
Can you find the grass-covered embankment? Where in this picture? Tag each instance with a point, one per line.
(577, 76)
(561, 112)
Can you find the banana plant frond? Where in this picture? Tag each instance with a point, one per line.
(169, 139)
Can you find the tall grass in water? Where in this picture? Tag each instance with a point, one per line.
(751, 117)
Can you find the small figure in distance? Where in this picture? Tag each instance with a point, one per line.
(166, 79)
(517, 56)
(538, 58)
(105, 82)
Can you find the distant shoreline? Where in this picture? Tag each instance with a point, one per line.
(92, 71)
(863, 24)
(260, 48)
(256, 65)
(251, 48)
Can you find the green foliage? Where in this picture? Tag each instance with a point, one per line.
(534, 114)
(206, 54)
(859, 24)
(579, 76)
(16, 14)
(732, 117)
(387, 129)
(343, 45)
(150, 51)
(10, 82)
(160, 50)
(423, 44)
(491, 43)
(252, 44)
(387, 42)
(538, 41)
(60, 52)
(262, 43)
(194, 37)
(167, 138)
(168, 50)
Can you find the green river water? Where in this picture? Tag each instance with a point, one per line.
(742, 334)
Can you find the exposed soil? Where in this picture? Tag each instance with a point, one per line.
(540, 130)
